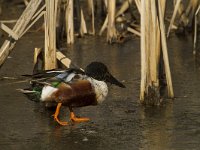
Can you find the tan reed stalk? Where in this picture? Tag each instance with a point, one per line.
(153, 44)
(50, 34)
(111, 32)
(191, 8)
(178, 2)
(91, 13)
(63, 59)
(37, 51)
(138, 5)
(143, 51)
(19, 28)
(134, 31)
(105, 24)
(152, 30)
(165, 52)
(26, 2)
(195, 29)
(147, 45)
(124, 7)
(70, 22)
(83, 28)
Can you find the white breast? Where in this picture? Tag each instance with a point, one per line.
(47, 92)
(101, 89)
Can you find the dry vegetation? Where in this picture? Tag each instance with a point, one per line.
(142, 18)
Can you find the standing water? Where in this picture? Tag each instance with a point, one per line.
(120, 123)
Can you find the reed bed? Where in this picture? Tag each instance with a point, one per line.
(109, 17)
(152, 31)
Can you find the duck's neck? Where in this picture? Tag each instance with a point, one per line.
(100, 88)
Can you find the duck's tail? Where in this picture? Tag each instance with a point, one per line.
(31, 94)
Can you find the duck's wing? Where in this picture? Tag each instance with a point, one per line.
(55, 73)
(45, 74)
(71, 75)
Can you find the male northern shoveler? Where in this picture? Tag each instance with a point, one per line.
(72, 88)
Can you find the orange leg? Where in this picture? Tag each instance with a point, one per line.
(75, 119)
(56, 116)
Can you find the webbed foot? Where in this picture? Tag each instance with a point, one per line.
(63, 123)
(76, 119)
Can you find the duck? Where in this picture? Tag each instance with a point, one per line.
(72, 87)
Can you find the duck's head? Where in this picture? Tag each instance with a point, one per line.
(99, 71)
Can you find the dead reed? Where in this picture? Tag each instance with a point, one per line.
(152, 31)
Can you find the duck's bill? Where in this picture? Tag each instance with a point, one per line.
(114, 81)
